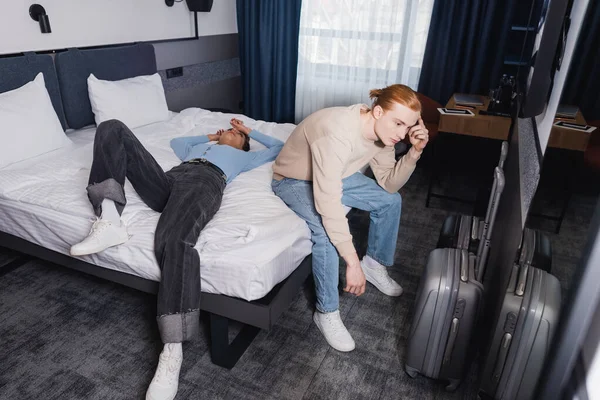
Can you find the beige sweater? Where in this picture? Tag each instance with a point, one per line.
(328, 146)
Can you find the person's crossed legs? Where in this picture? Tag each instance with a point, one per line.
(359, 192)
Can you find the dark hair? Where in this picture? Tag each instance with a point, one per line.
(246, 146)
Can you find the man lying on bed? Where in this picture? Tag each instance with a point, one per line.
(187, 196)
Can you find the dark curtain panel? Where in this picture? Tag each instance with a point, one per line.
(268, 34)
(465, 47)
(583, 82)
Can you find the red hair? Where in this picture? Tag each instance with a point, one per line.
(397, 93)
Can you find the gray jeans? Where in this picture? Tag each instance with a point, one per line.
(187, 196)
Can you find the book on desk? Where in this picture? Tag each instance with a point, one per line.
(567, 111)
(467, 99)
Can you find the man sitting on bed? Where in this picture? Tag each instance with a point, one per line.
(316, 173)
(187, 197)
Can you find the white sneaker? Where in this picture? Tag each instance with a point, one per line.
(104, 234)
(332, 327)
(378, 275)
(165, 383)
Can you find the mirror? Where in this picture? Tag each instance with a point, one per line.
(569, 184)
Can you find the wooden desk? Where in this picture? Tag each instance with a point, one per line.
(486, 126)
(569, 139)
(480, 126)
(567, 144)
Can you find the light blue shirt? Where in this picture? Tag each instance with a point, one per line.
(232, 161)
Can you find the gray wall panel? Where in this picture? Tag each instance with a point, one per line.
(211, 72)
(220, 94)
(204, 73)
(189, 52)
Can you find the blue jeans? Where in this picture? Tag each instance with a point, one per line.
(359, 192)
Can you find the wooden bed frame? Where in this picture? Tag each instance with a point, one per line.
(255, 315)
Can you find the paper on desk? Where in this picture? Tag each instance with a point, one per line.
(574, 126)
(459, 112)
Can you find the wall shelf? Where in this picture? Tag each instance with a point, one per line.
(521, 28)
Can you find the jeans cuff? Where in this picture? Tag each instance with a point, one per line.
(323, 311)
(107, 189)
(179, 327)
(385, 264)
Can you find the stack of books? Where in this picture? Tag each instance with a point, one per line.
(566, 111)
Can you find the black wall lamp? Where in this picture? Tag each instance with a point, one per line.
(38, 13)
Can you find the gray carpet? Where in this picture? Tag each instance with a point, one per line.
(69, 336)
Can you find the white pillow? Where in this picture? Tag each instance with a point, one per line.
(134, 101)
(29, 125)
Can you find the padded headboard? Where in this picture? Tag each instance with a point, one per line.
(17, 71)
(115, 63)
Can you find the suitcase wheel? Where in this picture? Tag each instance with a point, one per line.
(412, 372)
(452, 385)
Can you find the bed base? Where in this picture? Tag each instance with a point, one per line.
(14, 264)
(255, 315)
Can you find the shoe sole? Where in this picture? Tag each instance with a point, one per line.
(374, 283)
(150, 397)
(97, 249)
(343, 350)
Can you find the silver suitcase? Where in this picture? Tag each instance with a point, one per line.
(448, 303)
(523, 331)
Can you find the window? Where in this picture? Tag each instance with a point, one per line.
(347, 47)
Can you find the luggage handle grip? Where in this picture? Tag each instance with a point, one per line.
(464, 266)
(451, 340)
(475, 228)
(522, 279)
(501, 359)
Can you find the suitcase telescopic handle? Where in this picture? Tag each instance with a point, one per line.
(492, 210)
(488, 212)
(482, 261)
(503, 154)
(488, 226)
(500, 183)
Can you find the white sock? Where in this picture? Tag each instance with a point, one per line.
(109, 212)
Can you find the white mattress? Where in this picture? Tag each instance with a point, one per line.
(253, 242)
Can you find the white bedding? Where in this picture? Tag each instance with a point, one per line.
(253, 242)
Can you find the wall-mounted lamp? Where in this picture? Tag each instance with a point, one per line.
(38, 13)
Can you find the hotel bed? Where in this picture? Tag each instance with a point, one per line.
(255, 253)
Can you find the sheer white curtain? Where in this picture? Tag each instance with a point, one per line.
(348, 47)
